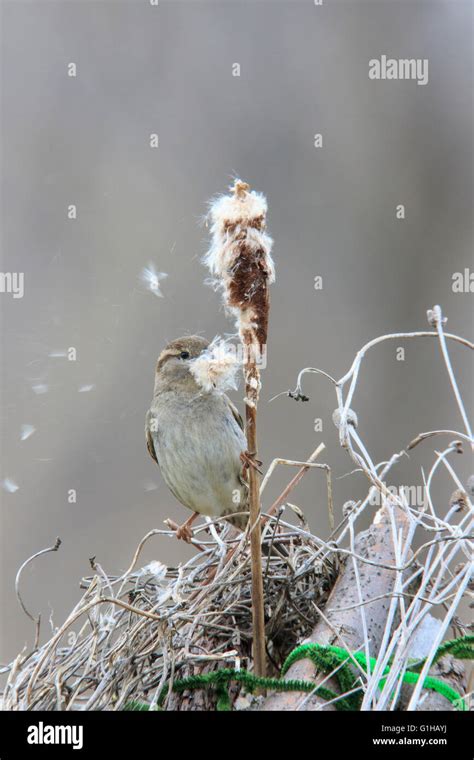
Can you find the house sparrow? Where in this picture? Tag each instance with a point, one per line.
(196, 437)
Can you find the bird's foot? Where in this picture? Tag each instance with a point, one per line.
(183, 532)
(248, 461)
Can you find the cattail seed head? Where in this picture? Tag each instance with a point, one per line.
(239, 259)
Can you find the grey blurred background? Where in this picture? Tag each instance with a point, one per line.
(168, 70)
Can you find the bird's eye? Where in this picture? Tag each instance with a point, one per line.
(184, 355)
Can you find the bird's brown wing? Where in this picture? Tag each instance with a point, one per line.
(238, 418)
(235, 413)
(149, 438)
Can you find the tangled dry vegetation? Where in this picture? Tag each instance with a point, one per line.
(394, 592)
(138, 630)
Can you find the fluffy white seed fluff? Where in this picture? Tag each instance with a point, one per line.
(26, 432)
(229, 209)
(86, 388)
(152, 279)
(217, 367)
(157, 569)
(9, 485)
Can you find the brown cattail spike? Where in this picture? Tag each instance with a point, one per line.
(242, 268)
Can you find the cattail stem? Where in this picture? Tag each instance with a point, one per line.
(240, 262)
(258, 614)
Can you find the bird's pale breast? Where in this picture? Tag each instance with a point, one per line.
(198, 443)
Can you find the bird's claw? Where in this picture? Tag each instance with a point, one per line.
(248, 461)
(183, 532)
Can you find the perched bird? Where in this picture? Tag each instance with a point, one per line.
(196, 437)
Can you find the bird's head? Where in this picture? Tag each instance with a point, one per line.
(174, 362)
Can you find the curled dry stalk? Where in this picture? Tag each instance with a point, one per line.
(396, 624)
(37, 620)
